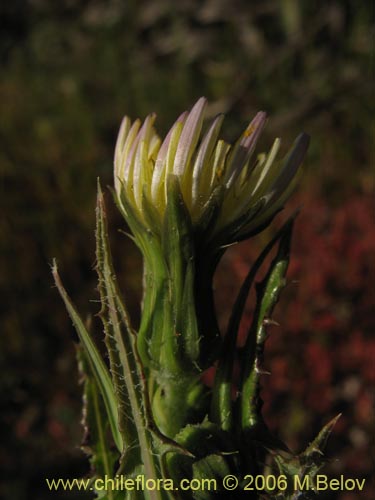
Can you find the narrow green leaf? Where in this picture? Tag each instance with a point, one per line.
(97, 365)
(131, 379)
(221, 406)
(95, 422)
(112, 329)
(267, 295)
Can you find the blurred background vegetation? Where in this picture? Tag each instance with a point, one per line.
(69, 71)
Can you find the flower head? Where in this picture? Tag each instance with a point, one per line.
(239, 192)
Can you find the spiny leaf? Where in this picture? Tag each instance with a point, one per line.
(307, 463)
(221, 407)
(317, 446)
(121, 347)
(95, 424)
(97, 365)
(113, 335)
(133, 382)
(267, 295)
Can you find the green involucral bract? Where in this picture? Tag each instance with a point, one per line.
(147, 410)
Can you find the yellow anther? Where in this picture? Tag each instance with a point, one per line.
(250, 129)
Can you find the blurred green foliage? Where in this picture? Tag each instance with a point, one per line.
(69, 71)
